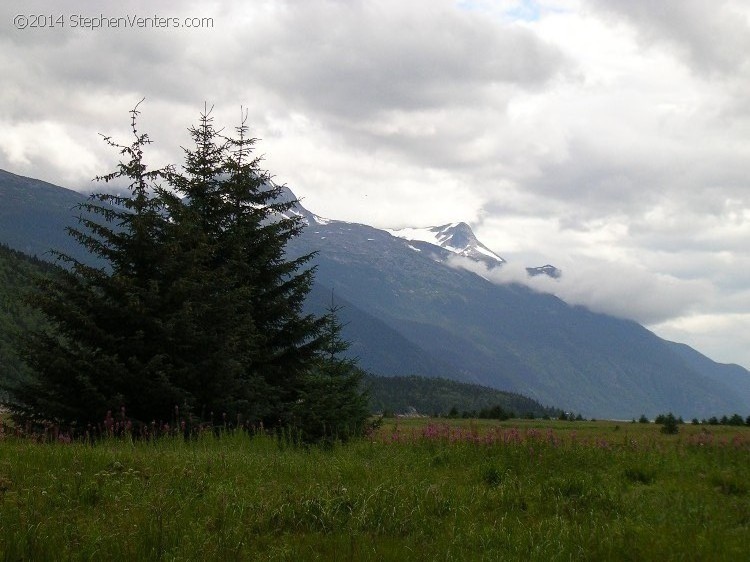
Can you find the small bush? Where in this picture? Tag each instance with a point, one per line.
(669, 424)
(639, 475)
(491, 476)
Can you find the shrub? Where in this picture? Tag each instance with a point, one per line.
(669, 424)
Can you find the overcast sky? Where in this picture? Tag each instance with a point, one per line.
(610, 138)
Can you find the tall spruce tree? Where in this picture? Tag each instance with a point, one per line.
(249, 343)
(106, 347)
(274, 287)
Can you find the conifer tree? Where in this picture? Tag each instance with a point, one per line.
(107, 345)
(245, 298)
(333, 404)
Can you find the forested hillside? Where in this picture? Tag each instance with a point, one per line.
(17, 274)
(439, 396)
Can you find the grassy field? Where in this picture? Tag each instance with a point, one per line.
(415, 490)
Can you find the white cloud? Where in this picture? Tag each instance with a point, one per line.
(616, 289)
(606, 137)
(32, 144)
(712, 37)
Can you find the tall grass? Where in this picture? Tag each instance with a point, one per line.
(414, 491)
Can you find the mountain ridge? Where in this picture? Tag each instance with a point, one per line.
(412, 311)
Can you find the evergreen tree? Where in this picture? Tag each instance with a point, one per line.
(669, 424)
(106, 347)
(207, 336)
(243, 298)
(332, 405)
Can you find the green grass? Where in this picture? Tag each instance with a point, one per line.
(540, 491)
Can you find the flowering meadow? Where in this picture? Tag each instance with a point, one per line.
(413, 490)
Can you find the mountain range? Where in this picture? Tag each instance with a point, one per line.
(409, 309)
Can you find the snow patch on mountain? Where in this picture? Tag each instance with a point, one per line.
(456, 237)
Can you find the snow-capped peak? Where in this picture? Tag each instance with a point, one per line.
(456, 237)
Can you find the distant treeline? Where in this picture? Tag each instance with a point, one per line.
(443, 397)
(499, 413)
(734, 420)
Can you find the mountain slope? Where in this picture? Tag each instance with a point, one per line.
(507, 336)
(34, 215)
(377, 347)
(734, 376)
(409, 313)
